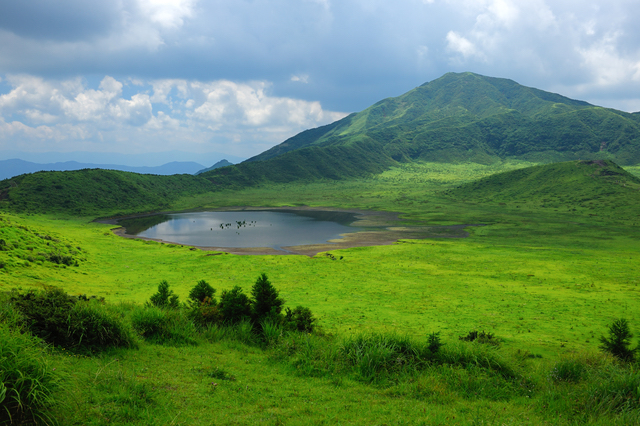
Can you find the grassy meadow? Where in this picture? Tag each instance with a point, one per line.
(545, 281)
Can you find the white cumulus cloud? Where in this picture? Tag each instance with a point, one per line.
(173, 113)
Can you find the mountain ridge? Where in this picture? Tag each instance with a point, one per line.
(469, 117)
(14, 167)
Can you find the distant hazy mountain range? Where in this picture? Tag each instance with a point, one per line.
(15, 167)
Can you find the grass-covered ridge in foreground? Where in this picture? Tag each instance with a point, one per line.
(544, 282)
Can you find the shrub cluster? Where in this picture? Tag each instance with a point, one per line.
(262, 309)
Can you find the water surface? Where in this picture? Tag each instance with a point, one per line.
(243, 229)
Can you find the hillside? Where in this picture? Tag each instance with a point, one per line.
(15, 167)
(96, 191)
(595, 185)
(469, 117)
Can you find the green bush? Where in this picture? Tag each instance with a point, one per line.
(61, 320)
(266, 300)
(203, 306)
(205, 314)
(164, 298)
(201, 292)
(27, 382)
(618, 343)
(235, 306)
(299, 319)
(46, 314)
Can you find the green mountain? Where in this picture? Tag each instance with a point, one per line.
(458, 117)
(469, 117)
(597, 185)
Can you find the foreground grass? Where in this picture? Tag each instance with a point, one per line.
(545, 282)
(368, 378)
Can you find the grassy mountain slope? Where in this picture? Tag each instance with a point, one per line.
(221, 163)
(468, 117)
(574, 184)
(355, 158)
(95, 191)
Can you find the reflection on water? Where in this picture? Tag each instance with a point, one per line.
(244, 229)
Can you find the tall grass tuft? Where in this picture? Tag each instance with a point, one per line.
(271, 332)
(570, 370)
(475, 355)
(614, 390)
(374, 356)
(164, 327)
(27, 382)
(93, 327)
(242, 331)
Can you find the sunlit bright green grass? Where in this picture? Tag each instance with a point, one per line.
(542, 290)
(543, 281)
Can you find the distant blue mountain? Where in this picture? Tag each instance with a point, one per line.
(15, 167)
(148, 159)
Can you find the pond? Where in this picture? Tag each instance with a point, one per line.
(242, 229)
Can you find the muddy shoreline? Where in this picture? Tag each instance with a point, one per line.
(380, 228)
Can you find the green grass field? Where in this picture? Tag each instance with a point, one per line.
(545, 281)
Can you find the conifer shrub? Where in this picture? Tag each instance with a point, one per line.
(434, 343)
(299, 319)
(164, 298)
(201, 292)
(618, 343)
(267, 303)
(235, 306)
(203, 307)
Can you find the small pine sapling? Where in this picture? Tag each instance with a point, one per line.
(618, 343)
(267, 303)
(234, 306)
(434, 343)
(164, 298)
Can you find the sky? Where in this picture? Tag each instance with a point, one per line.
(238, 77)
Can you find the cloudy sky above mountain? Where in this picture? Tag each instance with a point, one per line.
(241, 76)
